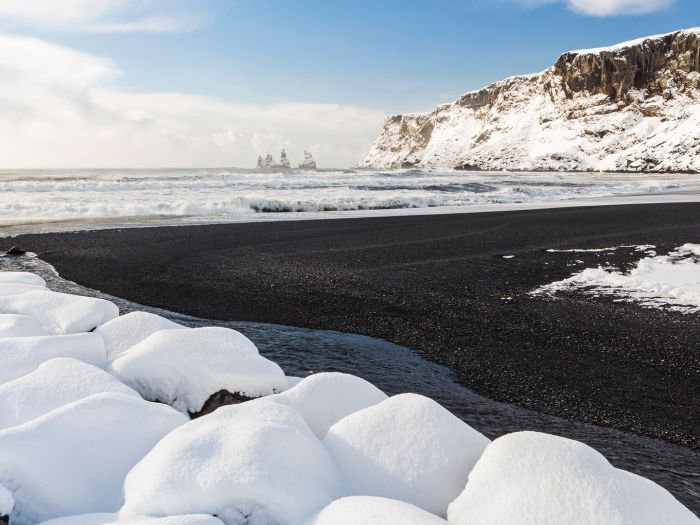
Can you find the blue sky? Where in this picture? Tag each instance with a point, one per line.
(340, 61)
(394, 55)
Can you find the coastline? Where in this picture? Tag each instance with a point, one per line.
(435, 283)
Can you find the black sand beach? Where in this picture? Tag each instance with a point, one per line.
(438, 284)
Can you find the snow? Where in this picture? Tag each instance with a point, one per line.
(408, 448)
(367, 510)
(22, 278)
(185, 367)
(257, 459)
(631, 43)
(528, 477)
(13, 325)
(113, 519)
(125, 331)
(662, 281)
(18, 288)
(636, 247)
(324, 399)
(60, 313)
(22, 355)
(74, 459)
(7, 502)
(54, 384)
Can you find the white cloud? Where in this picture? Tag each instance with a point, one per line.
(61, 108)
(101, 15)
(618, 7)
(603, 7)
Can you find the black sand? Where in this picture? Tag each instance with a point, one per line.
(438, 284)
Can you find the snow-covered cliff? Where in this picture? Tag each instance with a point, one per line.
(631, 107)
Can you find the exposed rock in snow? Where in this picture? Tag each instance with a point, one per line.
(258, 459)
(21, 278)
(113, 519)
(54, 384)
(14, 325)
(74, 459)
(528, 477)
(308, 163)
(21, 355)
(367, 510)
(60, 313)
(185, 367)
(324, 399)
(632, 107)
(408, 448)
(127, 330)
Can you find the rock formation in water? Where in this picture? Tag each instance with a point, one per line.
(284, 161)
(631, 107)
(308, 163)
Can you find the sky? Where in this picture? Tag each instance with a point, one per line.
(207, 83)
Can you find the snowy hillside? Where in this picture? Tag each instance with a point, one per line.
(630, 107)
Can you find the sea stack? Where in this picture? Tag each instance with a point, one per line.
(308, 163)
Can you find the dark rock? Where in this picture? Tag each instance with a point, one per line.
(15, 250)
(218, 400)
(4, 520)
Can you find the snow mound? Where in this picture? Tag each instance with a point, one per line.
(13, 325)
(258, 459)
(22, 278)
(18, 288)
(21, 355)
(324, 399)
(663, 281)
(60, 313)
(125, 331)
(185, 367)
(54, 384)
(74, 459)
(7, 502)
(528, 477)
(407, 448)
(113, 519)
(366, 510)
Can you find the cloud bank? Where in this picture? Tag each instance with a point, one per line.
(604, 8)
(103, 16)
(60, 108)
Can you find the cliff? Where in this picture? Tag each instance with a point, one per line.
(630, 107)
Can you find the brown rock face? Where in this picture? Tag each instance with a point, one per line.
(217, 400)
(4, 520)
(642, 66)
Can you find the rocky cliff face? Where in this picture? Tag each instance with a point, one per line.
(630, 107)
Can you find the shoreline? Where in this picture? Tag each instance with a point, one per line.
(434, 283)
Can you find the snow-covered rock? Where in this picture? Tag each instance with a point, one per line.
(367, 510)
(125, 331)
(528, 477)
(631, 107)
(74, 459)
(7, 502)
(113, 519)
(54, 384)
(13, 325)
(22, 278)
(18, 288)
(308, 163)
(326, 398)
(21, 355)
(60, 313)
(258, 459)
(407, 448)
(185, 367)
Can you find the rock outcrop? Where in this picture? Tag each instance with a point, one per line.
(308, 163)
(630, 107)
